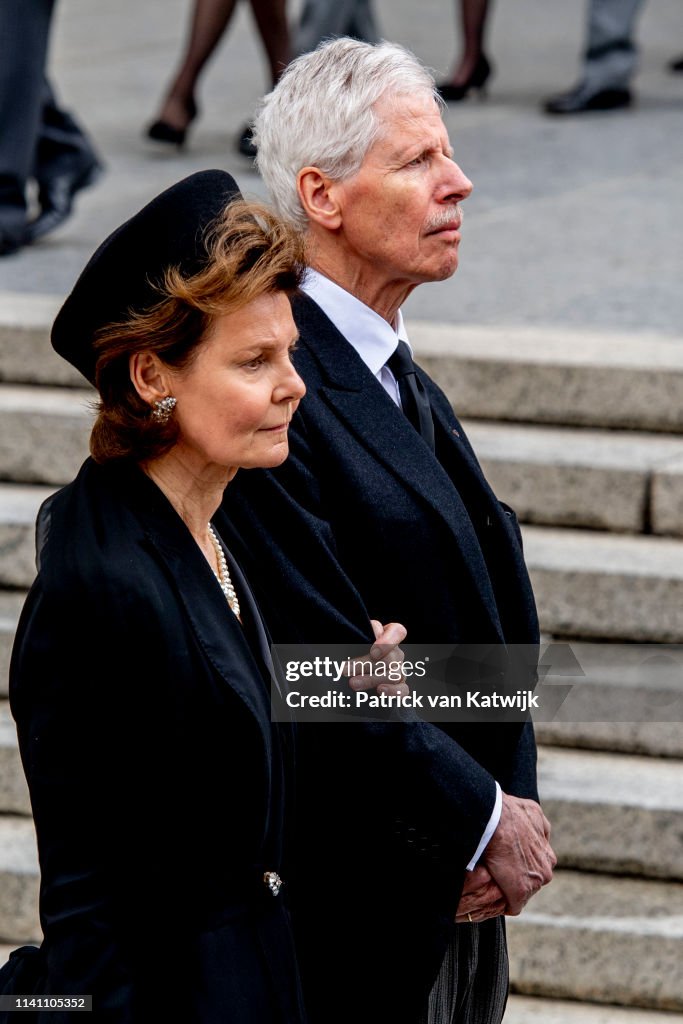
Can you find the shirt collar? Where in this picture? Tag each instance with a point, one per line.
(373, 338)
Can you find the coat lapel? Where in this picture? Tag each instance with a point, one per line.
(218, 631)
(360, 401)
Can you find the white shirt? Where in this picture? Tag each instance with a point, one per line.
(375, 340)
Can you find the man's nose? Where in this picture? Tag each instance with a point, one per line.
(457, 186)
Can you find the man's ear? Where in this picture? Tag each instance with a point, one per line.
(149, 376)
(319, 198)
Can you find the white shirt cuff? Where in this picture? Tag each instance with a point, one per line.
(490, 829)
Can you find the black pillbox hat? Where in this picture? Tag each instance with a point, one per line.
(121, 275)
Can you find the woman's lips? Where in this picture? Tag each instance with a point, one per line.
(280, 426)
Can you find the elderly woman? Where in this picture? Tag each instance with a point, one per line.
(141, 671)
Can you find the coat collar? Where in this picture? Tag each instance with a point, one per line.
(216, 628)
(355, 395)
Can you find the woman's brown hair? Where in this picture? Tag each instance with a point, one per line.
(249, 252)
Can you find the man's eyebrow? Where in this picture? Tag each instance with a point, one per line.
(408, 150)
(426, 146)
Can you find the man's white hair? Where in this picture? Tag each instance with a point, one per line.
(321, 113)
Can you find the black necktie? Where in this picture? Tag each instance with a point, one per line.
(413, 397)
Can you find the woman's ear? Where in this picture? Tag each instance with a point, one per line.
(149, 376)
(318, 196)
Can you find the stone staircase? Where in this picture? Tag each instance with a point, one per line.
(584, 437)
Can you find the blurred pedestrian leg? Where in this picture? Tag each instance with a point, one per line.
(37, 139)
(610, 60)
(209, 20)
(473, 69)
(323, 19)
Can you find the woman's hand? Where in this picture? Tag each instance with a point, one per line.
(382, 668)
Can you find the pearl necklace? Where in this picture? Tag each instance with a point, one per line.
(223, 575)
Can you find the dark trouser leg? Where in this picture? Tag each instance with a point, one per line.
(61, 140)
(65, 162)
(363, 25)
(610, 60)
(472, 985)
(321, 19)
(24, 30)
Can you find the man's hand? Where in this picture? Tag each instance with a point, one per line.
(519, 856)
(384, 651)
(481, 898)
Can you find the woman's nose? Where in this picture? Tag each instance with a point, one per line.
(292, 387)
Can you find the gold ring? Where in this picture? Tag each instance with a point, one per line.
(469, 917)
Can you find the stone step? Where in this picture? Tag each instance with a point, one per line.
(598, 585)
(43, 433)
(528, 374)
(667, 498)
(602, 939)
(525, 1010)
(618, 940)
(19, 506)
(14, 798)
(590, 798)
(603, 480)
(19, 877)
(10, 606)
(26, 355)
(620, 481)
(624, 698)
(587, 584)
(650, 739)
(556, 375)
(614, 813)
(604, 692)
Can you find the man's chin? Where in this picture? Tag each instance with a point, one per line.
(446, 269)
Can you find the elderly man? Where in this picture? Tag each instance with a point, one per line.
(413, 840)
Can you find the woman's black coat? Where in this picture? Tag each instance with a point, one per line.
(157, 780)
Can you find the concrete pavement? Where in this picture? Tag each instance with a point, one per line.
(573, 222)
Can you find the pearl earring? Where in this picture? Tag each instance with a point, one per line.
(163, 408)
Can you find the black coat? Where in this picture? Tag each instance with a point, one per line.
(363, 521)
(157, 780)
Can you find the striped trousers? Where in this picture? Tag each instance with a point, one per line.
(472, 984)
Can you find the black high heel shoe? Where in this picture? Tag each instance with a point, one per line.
(477, 80)
(162, 131)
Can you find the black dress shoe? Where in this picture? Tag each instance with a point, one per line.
(56, 192)
(579, 101)
(477, 80)
(245, 142)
